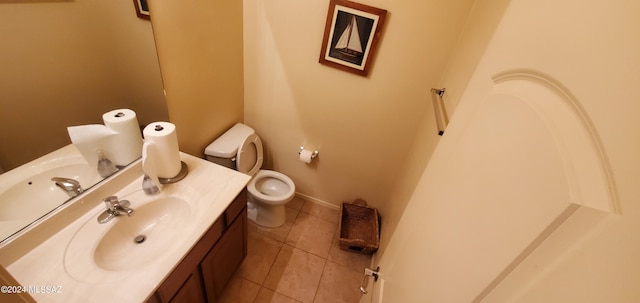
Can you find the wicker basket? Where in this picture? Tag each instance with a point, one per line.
(359, 227)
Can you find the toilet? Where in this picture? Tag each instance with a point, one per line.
(240, 148)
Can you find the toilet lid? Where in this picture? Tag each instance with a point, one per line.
(249, 157)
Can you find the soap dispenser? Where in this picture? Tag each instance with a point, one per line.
(105, 166)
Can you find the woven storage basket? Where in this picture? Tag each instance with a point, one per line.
(359, 227)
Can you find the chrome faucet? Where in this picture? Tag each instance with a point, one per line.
(70, 186)
(115, 208)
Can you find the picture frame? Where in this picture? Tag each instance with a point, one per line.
(142, 9)
(351, 36)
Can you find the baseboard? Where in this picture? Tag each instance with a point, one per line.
(318, 201)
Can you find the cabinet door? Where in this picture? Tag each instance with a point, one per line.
(191, 291)
(190, 263)
(223, 260)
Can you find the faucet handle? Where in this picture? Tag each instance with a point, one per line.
(124, 203)
(111, 202)
(115, 208)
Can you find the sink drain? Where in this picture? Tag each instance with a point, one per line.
(139, 239)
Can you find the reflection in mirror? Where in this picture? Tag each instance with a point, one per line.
(30, 191)
(65, 63)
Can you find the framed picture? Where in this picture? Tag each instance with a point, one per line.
(142, 10)
(351, 35)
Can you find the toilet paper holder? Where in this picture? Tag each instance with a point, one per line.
(313, 155)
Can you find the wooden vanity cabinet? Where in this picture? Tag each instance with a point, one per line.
(223, 260)
(205, 271)
(191, 290)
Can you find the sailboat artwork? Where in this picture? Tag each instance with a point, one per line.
(349, 43)
(351, 33)
(350, 38)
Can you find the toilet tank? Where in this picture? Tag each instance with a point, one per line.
(223, 150)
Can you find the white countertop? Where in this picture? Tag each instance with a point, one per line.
(48, 265)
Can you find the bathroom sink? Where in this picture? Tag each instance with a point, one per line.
(92, 260)
(35, 195)
(136, 240)
(128, 243)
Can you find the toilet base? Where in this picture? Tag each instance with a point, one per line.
(252, 211)
(267, 216)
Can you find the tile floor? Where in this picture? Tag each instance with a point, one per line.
(298, 262)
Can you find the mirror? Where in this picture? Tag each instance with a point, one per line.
(65, 63)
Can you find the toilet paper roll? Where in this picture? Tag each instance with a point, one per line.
(160, 153)
(126, 147)
(306, 156)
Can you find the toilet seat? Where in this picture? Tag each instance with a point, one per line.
(250, 155)
(271, 199)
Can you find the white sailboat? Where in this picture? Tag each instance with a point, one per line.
(349, 42)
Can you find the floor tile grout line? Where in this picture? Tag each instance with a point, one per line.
(324, 268)
(315, 254)
(301, 210)
(343, 266)
(323, 219)
(309, 252)
(294, 299)
(271, 267)
(272, 264)
(287, 233)
(298, 248)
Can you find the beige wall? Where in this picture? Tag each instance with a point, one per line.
(66, 63)
(364, 128)
(200, 51)
(479, 27)
(374, 134)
